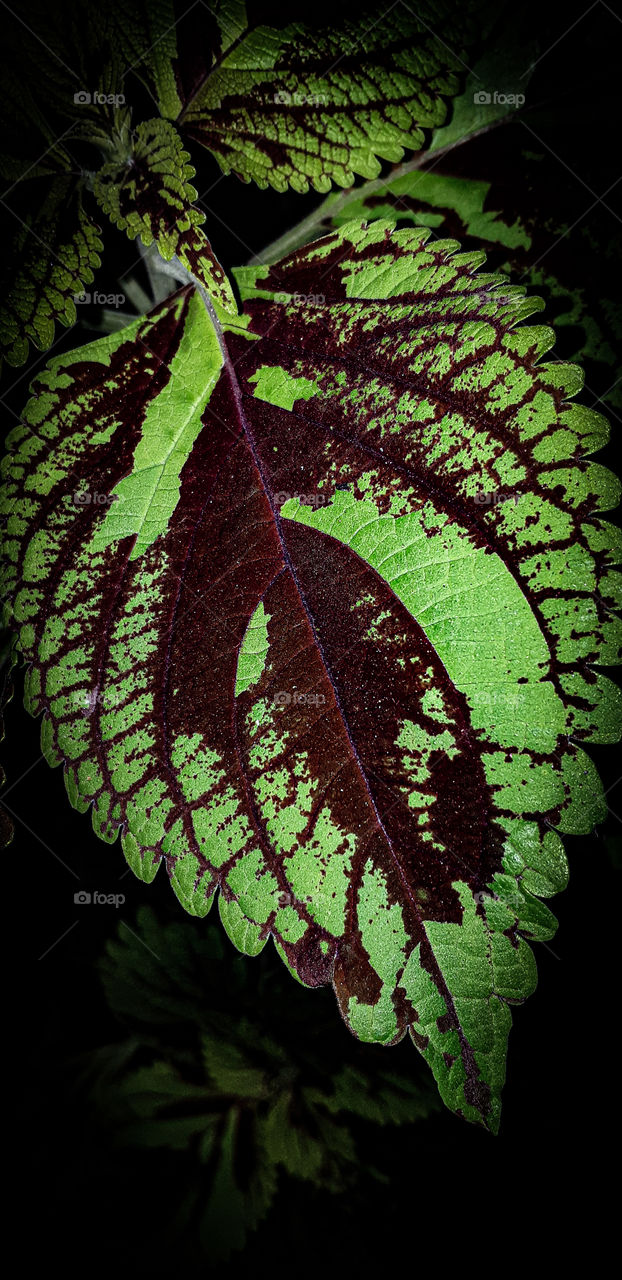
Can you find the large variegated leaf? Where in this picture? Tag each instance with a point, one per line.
(310, 607)
(149, 194)
(304, 104)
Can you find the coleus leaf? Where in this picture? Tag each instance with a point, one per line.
(529, 239)
(300, 105)
(429, 198)
(156, 1108)
(280, 106)
(171, 47)
(54, 255)
(237, 1074)
(148, 194)
(355, 714)
(53, 242)
(29, 142)
(297, 107)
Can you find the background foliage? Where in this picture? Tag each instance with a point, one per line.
(554, 1123)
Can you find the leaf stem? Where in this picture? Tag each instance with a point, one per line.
(336, 201)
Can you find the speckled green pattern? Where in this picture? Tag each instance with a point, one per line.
(52, 260)
(299, 105)
(292, 108)
(312, 619)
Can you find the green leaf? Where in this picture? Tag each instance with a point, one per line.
(306, 104)
(497, 85)
(156, 1108)
(163, 43)
(176, 990)
(55, 252)
(29, 143)
(319, 629)
(538, 239)
(63, 103)
(147, 192)
(431, 199)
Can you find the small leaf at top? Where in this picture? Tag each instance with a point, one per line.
(305, 105)
(148, 194)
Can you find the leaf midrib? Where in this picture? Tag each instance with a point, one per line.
(468, 1056)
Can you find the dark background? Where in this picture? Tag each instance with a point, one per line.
(452, 1187)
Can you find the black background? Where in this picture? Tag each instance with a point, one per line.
(455, 1191)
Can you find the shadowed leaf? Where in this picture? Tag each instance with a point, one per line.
(222, 1064)
(537, 239)
(55, 253)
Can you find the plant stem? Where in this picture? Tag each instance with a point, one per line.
(336, 201)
